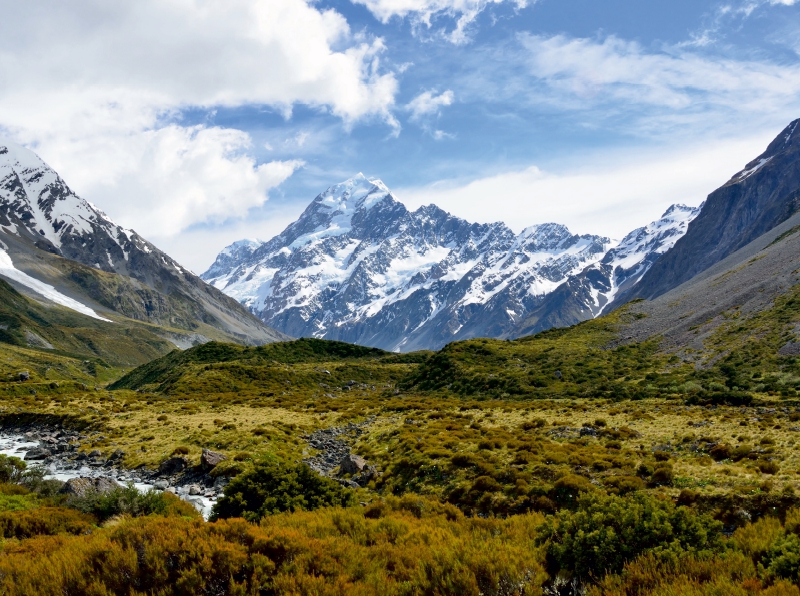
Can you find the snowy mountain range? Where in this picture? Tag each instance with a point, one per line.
(589, 293)
(358, 266)
(47, 232)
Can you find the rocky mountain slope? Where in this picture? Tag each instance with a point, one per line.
(357, 266)
(587, 294)
(729, 297)
(58, 247)
(764, 194)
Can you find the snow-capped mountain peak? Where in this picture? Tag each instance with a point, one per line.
(588, 293)
(36, 202)
(358, 266)
(40, 214)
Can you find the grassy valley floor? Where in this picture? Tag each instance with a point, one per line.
(568, 462)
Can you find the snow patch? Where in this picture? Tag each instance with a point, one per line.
(8, 270)
(761, 163)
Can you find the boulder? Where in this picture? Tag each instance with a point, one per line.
(352, 464)
(38, 453)
(211, 459)
(80, 487)
(790, 349)
(24, 376)
(173, 465)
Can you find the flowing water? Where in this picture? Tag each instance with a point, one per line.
(18, 445)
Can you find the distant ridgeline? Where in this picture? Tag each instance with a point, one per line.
(357, 266)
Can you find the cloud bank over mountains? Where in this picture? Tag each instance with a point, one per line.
(199, 122)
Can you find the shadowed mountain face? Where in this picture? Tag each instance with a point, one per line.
(357, 266)
(764, 194)
(51, 238)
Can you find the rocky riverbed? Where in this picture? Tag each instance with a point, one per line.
(335, 459)
(57, 450)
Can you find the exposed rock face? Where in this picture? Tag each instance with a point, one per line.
(746, 282)
(80, 487)
(211, 459)
(357, 266)
(764, 194)
(352, 464)
(173, 465)
(790, 349)
(41, 217)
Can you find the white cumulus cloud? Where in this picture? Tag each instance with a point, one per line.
(97, 87)
(178, 176)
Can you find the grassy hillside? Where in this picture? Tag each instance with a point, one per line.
(122, 343)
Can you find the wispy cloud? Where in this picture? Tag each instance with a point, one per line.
(726, 17)
(428, 103)
(639, 91)
(423, 12)
(614, 69)
(611, 192)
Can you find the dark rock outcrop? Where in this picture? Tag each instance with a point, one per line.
(173, 465)
(211, 459)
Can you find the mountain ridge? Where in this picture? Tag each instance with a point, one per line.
(763, 194)
(358, 266)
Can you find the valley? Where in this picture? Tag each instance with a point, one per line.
(649, 448)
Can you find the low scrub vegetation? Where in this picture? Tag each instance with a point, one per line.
(562, 462)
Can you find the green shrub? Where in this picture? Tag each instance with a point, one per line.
(271, 488)
(662, 475)
(741, 452)
(783, 558)
(12, 469)
(533, 424)
(624, 484)
(567, 489)
(720, 451)
(44, 521)
(768, 467)
(756, 539)
(605, 532)
(129, 501)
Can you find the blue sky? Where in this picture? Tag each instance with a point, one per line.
(198, 123)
